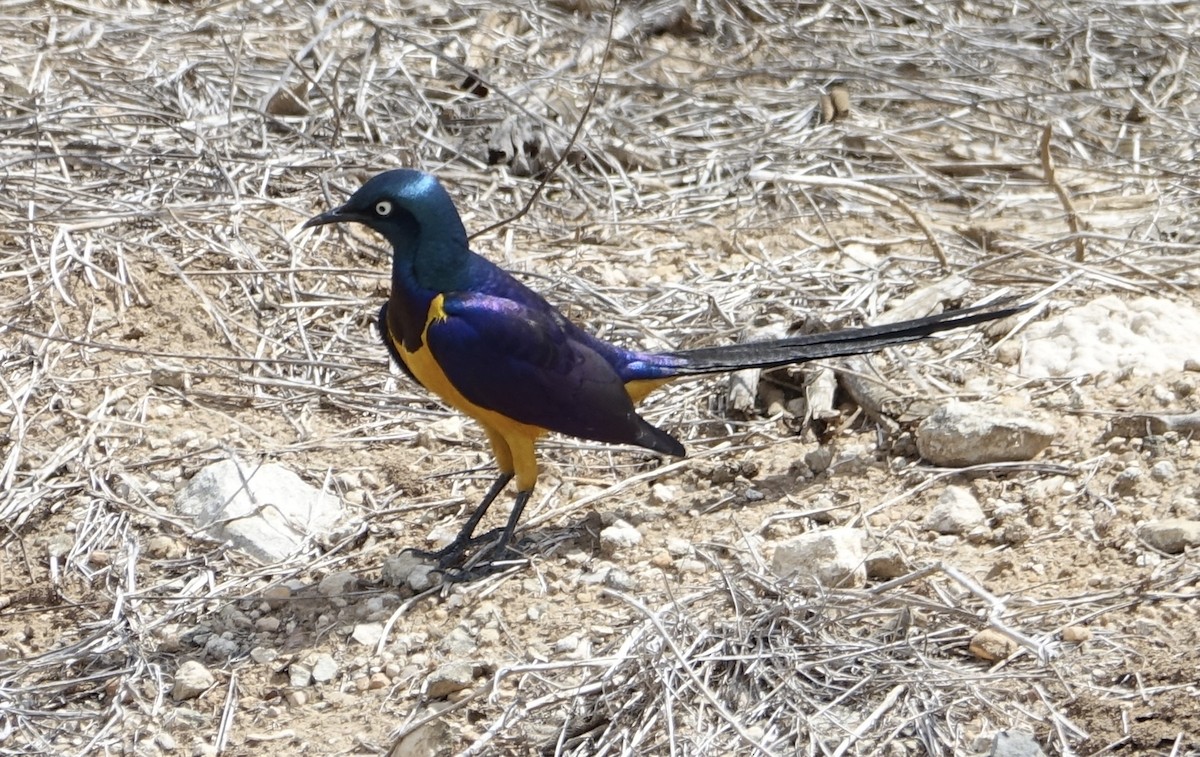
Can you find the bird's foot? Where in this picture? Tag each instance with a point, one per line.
(455, 553)
(483, 564)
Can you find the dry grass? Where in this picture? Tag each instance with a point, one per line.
(158, 309)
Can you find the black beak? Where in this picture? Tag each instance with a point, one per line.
(337, 215)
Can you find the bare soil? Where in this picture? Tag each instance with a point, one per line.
(160, 310)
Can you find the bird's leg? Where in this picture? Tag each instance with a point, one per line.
(500, 550)
(498, 553)
(452, 552)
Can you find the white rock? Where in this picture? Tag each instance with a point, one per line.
(367, 634)
(960, 434)
(191, 680)
(678, 547)
(299, 674)
(833, 557)
(620, 535)
(1015, 744)
(662, 494)
(265, 511)
(956, 512)
(1145, 337)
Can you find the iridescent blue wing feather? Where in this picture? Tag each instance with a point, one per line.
(525, 364)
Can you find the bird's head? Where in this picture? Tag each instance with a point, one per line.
(413, 212)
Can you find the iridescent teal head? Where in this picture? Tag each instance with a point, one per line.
(415, 214)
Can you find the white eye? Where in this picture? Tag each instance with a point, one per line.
(383, 208)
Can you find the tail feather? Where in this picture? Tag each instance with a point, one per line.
(857, 341)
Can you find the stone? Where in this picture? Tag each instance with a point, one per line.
(264, 511)
(324, 668)
(1163, 471)
(1172, 535)
(299, 674)
(191, 680)
(408, 569)
(662, 494)
(991, 645)
(960, 434)
(619, 536)
(448, 679)
(956, 512)
(832, 557)
(429, 740)
(367, 634)
(1015, 744)
(338, 584)
(886, 564)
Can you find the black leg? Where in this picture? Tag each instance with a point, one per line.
(500, 551)
(493, 559)
(452, 553)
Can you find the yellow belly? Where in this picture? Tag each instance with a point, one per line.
(511, 440)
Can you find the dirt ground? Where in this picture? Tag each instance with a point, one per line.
(160, 309)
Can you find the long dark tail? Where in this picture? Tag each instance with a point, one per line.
(800, 349)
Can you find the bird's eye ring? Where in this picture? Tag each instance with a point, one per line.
(383, 208)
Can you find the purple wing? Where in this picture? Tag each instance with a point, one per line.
(527, 364)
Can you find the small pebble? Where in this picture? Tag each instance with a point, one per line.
(662, 560)
(448, 679)
(991, 645)
(1163, 471)
(1076, 634)
(324, 668)
(191, 680)
(619, 536)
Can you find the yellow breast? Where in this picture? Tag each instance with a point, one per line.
(425, 367)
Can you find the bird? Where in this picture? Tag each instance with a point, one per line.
(497, 351)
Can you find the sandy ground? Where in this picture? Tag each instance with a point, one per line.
(162, 310)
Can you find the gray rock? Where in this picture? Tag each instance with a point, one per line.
(265, 511)
(833, 557)
(1172, 535)
(1163, 471)
(457, 643)
(956, 512)
(324, 668)
(408, 569)
(886, 564)
(220, 648)
(819, 459)
(449, 678)
(620, 580)
(191, 680)
(961, 434)
(1015, 744)
(338, 584)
